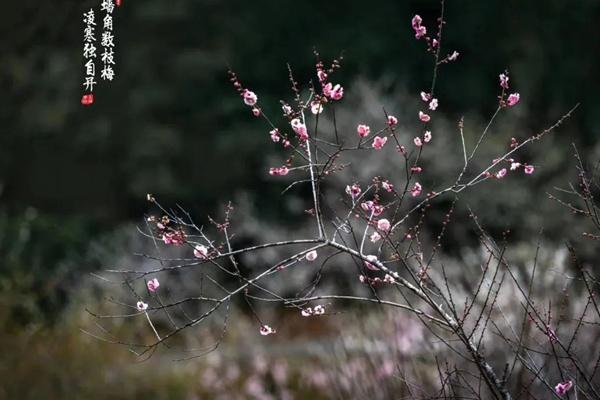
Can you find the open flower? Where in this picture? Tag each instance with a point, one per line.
(427, 137)
(513, 99)
(300, 129)
(383, 225)
(425, 96)
(311, 255)
(379, 142)
(316, 107)
(153, 285)
(353, 191)
(387, 186)
(375, 236)
(337, 92)
(416, 189)
(363, 130)
(433, 105)
(392, 121)
(141, 306)
(418, 142)
(424, 117)
(529, 169)
(501, 174)
(266, 330)
(250, 98)
(200, 251)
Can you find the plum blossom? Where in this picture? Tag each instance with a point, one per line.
(424, 117)
(337, 92)
(250, 97)
(141, 306)
(363, 130)
(418, 141)
(514, 166)
(266, 330)
(389, 279)
(416, 189)
(562, 388)
(279, 171)
(425, 96)
(379, 142)
(433, 105)
(176, 238)
(416, 170)
(311, 256)
(316, 107)
(368, 264)
(392, 121)
(529, 169)
(453, 56)
(353, 191)
(384, 225)
(256, 111)
(503, 81)
(427, 137)
(372, 207)
(319, 310)
(300, 129)
(275, 136)
(513, 99)
(420, 30)
(287, 110)
(200, 251)
(387, 186)
(501, 174)
(322, 75)
(375, 236)
(153, 285)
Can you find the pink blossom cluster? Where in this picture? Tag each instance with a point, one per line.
(279, 171)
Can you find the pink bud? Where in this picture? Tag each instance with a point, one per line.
(311, 255)
(392, 121)
(418, 141)
(424, 117)
(513, 99)
(370, 266)
(529, 169)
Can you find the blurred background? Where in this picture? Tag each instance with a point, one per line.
(73, 179)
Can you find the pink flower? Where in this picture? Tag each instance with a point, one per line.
(386, 185)
(300, 129)
(418, 141)
(416, 21)
(433, 105)
(379, 142)
(514, 166)
(176, 238)
(392, 121)
(250, 98)
(311, 256)
(434, 43)
(427, 137)
(279, 171)
(370, 266)
(425, 96)
(316, 107)
(287, 110)
(353, 191)
(275, 136)
(363, 130)
(416, 170)
(375, 236)
(384, 225)
(322, 75)
(416, 189)
(337, 92)
(529, 169)
(266, 330)
(420, 32)
(389, 279)
(153, 285)
(501, 174)
(503, 81)
(562, 388)
(200, 251)
(513, 99)
(424, 117)
(141, 306)
(453, 56)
